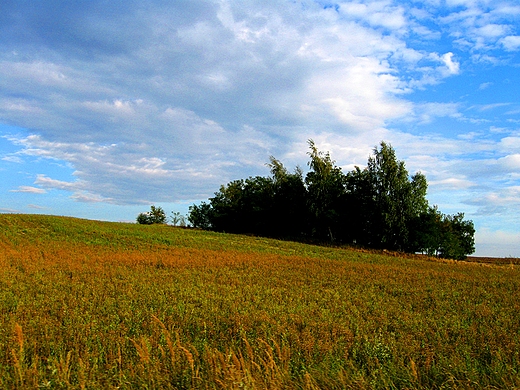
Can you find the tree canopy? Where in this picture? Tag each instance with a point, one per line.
(380, 206)
(156, 215)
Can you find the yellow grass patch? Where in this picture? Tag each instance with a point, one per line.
(86, 304)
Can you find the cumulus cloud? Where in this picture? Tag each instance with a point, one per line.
(453, 66)
(480, 25)
(511, 42)
(166, 101)
(504, 202)
(376, 14)
(181, 99)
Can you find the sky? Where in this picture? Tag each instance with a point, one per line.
(108, 107)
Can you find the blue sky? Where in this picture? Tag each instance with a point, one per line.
(109, 107)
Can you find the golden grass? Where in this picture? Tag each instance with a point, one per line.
(88, 305)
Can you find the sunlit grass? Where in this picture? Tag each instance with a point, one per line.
(87, 304)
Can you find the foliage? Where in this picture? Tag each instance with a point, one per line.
(96, 305)
(288, 203)
(325, 194)
(200, 216)
(447, 236)
(144, 219)
(273, 206)
(381, 206)
(178, 219)
(155, 215)
(458, 237)
(394, 200)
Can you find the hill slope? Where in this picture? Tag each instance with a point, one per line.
(102, 305)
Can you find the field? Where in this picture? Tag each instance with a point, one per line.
(97, 305)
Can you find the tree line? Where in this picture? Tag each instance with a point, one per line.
(380, 207)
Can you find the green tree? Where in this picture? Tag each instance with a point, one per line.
(201, 216)
(326, 194)
(155, 215)
(144, 219)
(427, 232)
(178, 219)
(380, 206)
(288, 202)
(458, 237)
(257, 206)
(227, 205)
(446, 236)
(396, 199)
(360, 208)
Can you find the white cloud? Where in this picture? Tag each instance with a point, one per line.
(8, 210)
(510, 144)
(13, 159)
(479, 25)
(487, 236)
(43, 73)
(376, 13)
(47, 182)
(361, 95)
(492, 30)
(453, 66)
(452, 183)
(87, 197)
(166, 102)
(505, 202)
(427, 112)
(29, 189)
(512, 163)
(492, 106)
(115, 108)
(511, 42)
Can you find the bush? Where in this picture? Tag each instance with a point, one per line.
(155, 215)
(144, 219)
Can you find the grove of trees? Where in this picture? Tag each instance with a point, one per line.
(380, 207)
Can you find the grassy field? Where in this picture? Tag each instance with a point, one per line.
(96, 305)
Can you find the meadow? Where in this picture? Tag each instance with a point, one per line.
(99, 305)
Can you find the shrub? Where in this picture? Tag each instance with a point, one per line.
(155, 215)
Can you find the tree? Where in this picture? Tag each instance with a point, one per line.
(458, 237)
(201, 216)
(446, 236)
(427, 232)
(155, 215)
(144, 219)
(380, 206)
(395, 199)
(178, 219)
(360, 207)
(257, 206)
(226, 205)
(288, 202)
(325, 192)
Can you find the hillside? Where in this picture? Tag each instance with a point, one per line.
(88, 304)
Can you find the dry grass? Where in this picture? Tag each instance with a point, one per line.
(88, 305)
